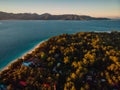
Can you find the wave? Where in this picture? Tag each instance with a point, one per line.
(102, 31)
(107, 31)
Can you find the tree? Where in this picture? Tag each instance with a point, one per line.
(66, 59)
(43, 55)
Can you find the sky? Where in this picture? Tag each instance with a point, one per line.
(95, 8)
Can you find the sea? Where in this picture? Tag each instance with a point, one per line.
(17, 37)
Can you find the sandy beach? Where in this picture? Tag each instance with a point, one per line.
(22, 56)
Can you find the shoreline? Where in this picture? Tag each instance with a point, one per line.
(22, 55)
(33, 48)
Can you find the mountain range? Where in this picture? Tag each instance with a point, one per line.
(45, 16)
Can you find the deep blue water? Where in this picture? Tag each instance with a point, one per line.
(19, 36)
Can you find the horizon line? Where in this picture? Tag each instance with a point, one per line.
(111, 17)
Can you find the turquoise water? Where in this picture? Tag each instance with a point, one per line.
(19, 36)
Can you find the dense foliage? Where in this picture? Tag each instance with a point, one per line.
(81, 61)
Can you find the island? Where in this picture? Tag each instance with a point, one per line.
(80, 61)
(45, 16)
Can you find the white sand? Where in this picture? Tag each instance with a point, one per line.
(22, 56)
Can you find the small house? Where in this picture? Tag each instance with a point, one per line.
(23, 83)
(89, 78)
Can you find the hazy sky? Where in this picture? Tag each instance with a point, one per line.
(97, 8)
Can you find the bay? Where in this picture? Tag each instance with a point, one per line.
(19, 36)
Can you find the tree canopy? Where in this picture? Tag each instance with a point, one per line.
(81, 61)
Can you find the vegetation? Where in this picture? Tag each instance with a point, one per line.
(81, 61)
(45, 16)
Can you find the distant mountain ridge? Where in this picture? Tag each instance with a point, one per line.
(45, 16)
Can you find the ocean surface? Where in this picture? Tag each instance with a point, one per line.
(19, 36)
